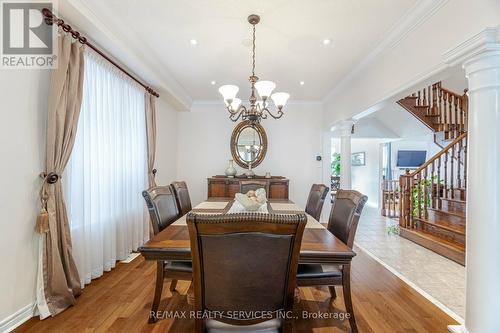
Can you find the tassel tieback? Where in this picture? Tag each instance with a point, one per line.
(42, 220)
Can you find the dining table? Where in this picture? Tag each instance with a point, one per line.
(319, 246)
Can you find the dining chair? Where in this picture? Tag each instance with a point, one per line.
(245, 262)
(343, 222)
(316, 199)
(252, 185)
(182, 196)
(163, 211)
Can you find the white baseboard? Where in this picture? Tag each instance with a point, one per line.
(130, 258)
(11, 322)
(457, 329)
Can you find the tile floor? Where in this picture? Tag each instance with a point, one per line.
(437, 276)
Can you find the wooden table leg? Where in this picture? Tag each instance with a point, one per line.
(296, 295)
(346, 284)
(190, 294)
(333, 293)
(173, 284)
(158, 291)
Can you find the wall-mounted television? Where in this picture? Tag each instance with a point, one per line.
(411, 158)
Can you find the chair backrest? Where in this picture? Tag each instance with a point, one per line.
(182, 196)
(252, 185)
(245, 262)
(162, 207)
(316, 199)
(345, 213)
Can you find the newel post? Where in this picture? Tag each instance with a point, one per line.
(405, 216)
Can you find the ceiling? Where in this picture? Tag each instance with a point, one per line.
(289, 39)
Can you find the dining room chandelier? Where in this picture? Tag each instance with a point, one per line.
(258, 109)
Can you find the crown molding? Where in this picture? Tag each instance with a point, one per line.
(484, 41)
(164, 81)
(417, 15)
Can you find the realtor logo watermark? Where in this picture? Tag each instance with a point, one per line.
(27, 41)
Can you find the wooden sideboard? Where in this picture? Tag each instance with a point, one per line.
(225, 187)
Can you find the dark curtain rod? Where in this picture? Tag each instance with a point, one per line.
(51, 18)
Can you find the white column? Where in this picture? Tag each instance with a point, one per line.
(480, 57)
(345, 128)
(327, 171)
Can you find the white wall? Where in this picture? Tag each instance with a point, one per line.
(294, 141)
(425, 142)
(22, 147)
(366, 178)
(166, 142)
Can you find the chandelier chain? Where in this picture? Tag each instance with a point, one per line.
(253, 52)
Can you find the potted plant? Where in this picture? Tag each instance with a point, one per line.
(335, 165)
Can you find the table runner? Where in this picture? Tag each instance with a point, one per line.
(222, 207)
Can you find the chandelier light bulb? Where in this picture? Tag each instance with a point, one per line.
(265, 88)
(280, 99)
(235, 104)
(228, 92)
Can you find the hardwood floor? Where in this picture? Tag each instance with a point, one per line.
(120, 301)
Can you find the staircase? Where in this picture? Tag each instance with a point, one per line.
(433, 197)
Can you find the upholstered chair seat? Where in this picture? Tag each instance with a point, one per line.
(311, 271)
(270, 326)
(179, 266)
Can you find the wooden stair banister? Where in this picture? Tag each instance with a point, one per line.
(432, 159)
(390, 197)
(432, 198)
(440, 109)
(424, 191)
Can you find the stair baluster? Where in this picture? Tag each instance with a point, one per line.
(457, 119)
(439, 179)
(426, 195)
(465, 161)
(459, 163)
(434, 100)
(424, 99)
(452, 171)
(445, 166)
(433, 188)
(419, 195)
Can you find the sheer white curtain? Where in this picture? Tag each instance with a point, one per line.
(107, 171)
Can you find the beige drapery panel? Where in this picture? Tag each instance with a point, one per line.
(58, 278)
(151, 135)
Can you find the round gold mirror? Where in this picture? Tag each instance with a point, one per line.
(248, 144)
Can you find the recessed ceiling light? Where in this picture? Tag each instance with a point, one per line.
(301, 83)
(212, 83)
(327, 41)
(193, 42)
